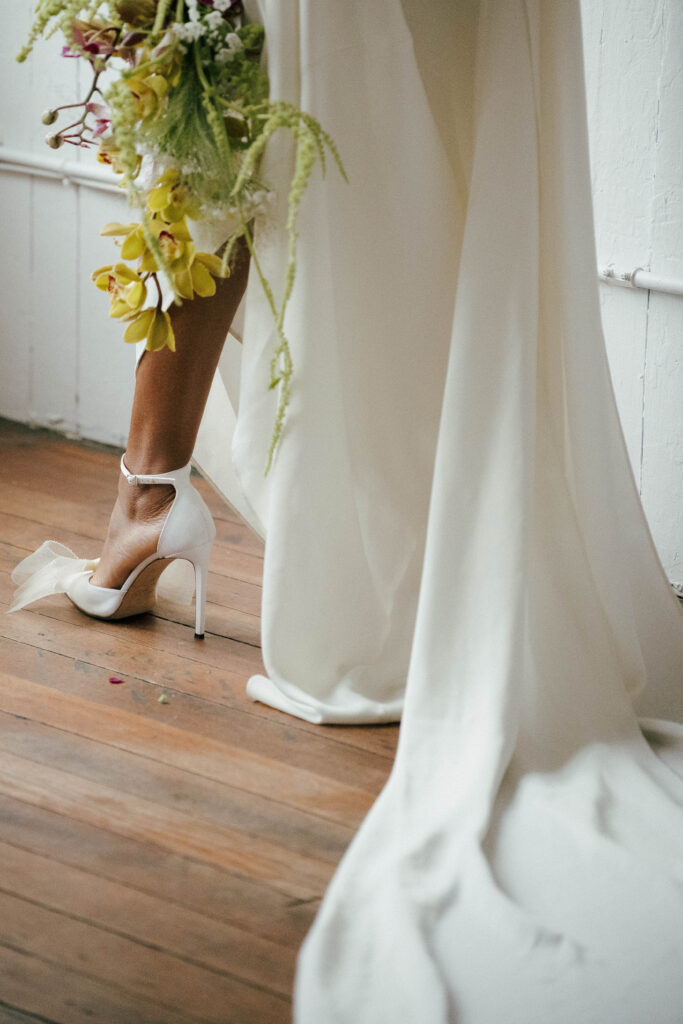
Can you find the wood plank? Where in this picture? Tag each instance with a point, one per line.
(154, 852)
(147, 647)
(64, 996)
(247, 818)
(210, 759)
(58, 625)
(208, 701)
(8, 1015)
(148, 919)
(193, 992)
(184, 884)
(76, 797)
(151, 649)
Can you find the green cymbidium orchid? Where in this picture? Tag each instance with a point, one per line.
(133, 245)
(197, 277)
(153, 326)
(148, 91)
(110, 154)
(175, 243)
(171, 198)
(127, 291)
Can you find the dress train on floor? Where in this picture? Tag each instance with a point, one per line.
(454, 534)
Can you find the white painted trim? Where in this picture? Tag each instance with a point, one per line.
(69, 172)
(640, 278)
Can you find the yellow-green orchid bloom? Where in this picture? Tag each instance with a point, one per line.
(127, 291)
(175, 241)
(133, 245)
(197, 276)
(171, 199)
(153, 326)
(149, 91)
(109, 153)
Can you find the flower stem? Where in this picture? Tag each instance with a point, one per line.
(162, 10)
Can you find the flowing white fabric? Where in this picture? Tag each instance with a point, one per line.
(454, 534)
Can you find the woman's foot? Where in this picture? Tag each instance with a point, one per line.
(135, 526)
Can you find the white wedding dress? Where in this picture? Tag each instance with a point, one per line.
(453, 533)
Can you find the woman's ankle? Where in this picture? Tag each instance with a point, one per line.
(144, 502)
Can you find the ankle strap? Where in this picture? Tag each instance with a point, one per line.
(160, 478)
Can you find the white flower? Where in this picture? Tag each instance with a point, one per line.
(263, 200)
(234, 42)
(193, 10)
(214, 20)
(233, 45)
(222, 5)
(190, 31)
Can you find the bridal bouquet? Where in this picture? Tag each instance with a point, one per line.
(186, 90)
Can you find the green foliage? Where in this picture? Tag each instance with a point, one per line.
(189, 133)
(50, 15)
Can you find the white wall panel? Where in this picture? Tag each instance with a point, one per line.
(64, 363)
(623, 50)
(662, 483)
(16, 298)
(54, 340)
(663, 399)
(624, 318)
(106, 379)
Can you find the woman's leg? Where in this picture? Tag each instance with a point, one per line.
(171, 389)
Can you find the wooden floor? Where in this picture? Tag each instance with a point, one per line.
(159, 862)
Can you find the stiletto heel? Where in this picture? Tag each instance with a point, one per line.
(200, 606)
(200, 561)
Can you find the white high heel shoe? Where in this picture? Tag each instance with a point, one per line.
(188, 533)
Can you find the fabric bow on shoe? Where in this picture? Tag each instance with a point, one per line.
(53, 566)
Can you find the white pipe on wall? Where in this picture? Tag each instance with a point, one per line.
(69, 172)
(641, 278)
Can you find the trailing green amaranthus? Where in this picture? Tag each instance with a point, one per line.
(191, 98)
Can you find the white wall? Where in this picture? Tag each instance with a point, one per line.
(63, 363)
(634, 76)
